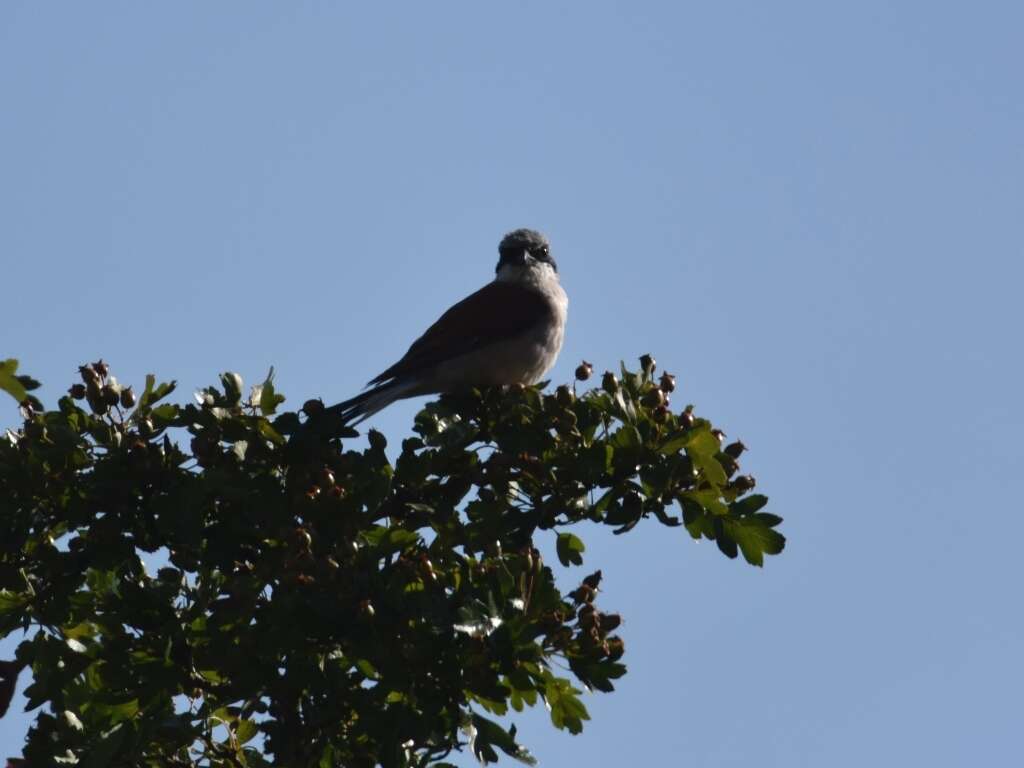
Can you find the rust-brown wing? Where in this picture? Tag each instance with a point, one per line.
(498, 311)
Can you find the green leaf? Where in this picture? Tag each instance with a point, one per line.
(567, 711)
(164, 414)
(702, 443)
(726, 545)
(595, 461)
(269, 399)
(570, 549)
(246, 731)
(606, 499)
(390, 540)
(11, 602)
(748, 505)
(9, 382)
(674, 444)
(627, 436)
(83, 629)
(708, 498)
(270, 433)
(769, 519)
(489, 733)
(328, 759)
(153, 393)
(711, 468)
(103, 753)
(755, 536)
(522, 691)
(255, 759)
(599, 674)
(116, 713)
(367, 669)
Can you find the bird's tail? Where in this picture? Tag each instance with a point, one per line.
(365, 404)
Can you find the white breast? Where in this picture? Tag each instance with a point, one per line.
(525, 359)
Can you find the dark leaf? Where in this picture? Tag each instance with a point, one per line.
(489, 733)
(28, 382)
(8, 681)
(748, 505)
(755, 536)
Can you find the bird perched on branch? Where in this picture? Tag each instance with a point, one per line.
(508, 332)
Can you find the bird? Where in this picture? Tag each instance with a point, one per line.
(508, 332)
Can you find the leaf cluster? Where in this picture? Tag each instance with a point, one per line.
(311, 604)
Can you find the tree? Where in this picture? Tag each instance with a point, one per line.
(317, 605)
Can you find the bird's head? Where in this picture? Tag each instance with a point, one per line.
(524, 248)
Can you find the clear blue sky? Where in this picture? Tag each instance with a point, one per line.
(810, 212)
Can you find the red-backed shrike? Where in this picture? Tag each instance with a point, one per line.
(508, 332)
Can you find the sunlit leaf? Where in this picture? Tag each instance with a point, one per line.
(570, 549)
(9, 381)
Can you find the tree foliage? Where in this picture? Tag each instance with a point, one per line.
(308, 604)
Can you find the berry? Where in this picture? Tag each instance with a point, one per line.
(729, 464)
(593, 580)
(648, 364)
(735, 449)
(98, 405)
(744, 483)
(654, 398)
(313, 407)
(89, 375)
(583, 594)
(587, 616)
(686, 419)
(110, 395)
(377, 440)
(615, 648)
(127, 397)
(564, 396)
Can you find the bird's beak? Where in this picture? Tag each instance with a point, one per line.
(523, 258)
